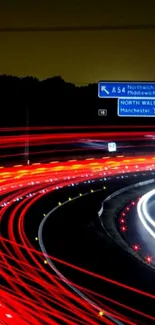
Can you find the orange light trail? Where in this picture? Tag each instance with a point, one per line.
(31, 293)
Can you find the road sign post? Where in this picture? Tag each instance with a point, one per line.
(112, 147)
(102, 112)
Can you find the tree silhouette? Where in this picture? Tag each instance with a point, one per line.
(55, 102)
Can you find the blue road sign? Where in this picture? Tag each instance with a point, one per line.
(136, 107)
(126, 89)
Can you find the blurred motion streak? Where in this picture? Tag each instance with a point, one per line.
(30, 292)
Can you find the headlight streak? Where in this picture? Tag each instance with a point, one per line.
(143, 214)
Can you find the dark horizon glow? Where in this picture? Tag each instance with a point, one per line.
(83, 42)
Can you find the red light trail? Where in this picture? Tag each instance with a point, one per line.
(30, 292)
(14, 141)
(75, 127)
(70, 139)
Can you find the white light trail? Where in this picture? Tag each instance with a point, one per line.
(143, 213)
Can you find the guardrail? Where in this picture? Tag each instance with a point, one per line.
(126, 188)
(122, 244)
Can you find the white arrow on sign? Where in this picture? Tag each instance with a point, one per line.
(103, 88)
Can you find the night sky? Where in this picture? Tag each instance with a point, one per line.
(80, 57)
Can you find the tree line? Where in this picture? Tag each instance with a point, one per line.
(54, 102)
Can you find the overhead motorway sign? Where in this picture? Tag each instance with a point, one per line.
(126, 89)
(136, 107)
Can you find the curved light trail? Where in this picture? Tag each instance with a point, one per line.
(51, 264)
(143, 213)
(30, 292)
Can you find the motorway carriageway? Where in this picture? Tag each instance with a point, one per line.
(25, 179)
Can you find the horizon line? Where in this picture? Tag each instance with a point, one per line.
(76, 28)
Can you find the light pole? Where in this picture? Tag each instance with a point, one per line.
(27, 151)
